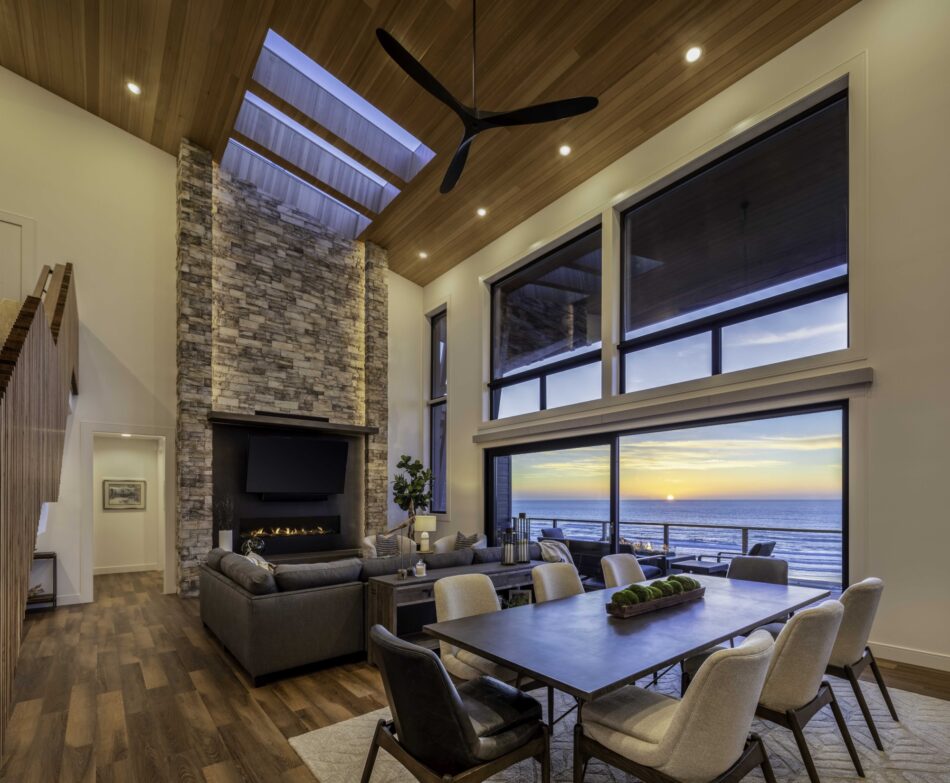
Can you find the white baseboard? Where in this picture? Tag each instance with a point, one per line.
(893, 652)
(68, 600)
(125, 569)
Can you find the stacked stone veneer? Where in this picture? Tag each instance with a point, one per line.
(276, 313)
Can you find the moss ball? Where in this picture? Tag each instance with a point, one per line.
(686, 581)
(664, 587)
(624, 598)
(677, 587)
(642, 592)
(655, 592)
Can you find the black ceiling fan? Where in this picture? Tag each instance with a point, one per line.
(473, 120)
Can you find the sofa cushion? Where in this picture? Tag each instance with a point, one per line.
(383, 566)
(214, 558)
(454, 559)
(303, 575)
(252, 578)
(490, 554)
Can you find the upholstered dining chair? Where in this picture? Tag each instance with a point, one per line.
(406, 545)
(851, 654)
(703, 738)
(555, 580)
(467, 595)
(441, 733)
(620, 570)
(447, 543)
(794, 690)
(752, 569)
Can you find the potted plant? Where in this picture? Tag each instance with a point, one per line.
(412, 488)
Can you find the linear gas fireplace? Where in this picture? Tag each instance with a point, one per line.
(290, 535)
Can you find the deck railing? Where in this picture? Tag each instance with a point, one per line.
(815, 555)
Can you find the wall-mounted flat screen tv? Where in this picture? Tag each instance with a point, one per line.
(295, 466)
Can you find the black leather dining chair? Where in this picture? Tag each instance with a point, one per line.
(444, 734)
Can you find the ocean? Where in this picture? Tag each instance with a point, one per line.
(812, 556)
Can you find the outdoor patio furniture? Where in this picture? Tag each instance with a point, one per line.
(708, 568)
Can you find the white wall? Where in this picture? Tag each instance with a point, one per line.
(895, 53)
(407, 366)
(105, 201)
(128, 539)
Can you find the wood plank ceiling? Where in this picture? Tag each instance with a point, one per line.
(194, 58)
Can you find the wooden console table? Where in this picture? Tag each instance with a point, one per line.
(385, 594)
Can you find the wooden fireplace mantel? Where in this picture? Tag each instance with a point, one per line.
(285, 423)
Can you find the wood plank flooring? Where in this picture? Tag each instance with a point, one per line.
(131, 689)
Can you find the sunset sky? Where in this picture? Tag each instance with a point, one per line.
(792, 457)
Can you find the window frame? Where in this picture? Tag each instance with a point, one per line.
(495, 385)
(715, 323)
(433, 404)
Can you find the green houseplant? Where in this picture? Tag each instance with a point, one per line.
(412, 488)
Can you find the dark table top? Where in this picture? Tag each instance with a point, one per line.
(574, 645)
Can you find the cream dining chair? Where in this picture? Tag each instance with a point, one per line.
(555, 580)
(851, 654)
(467, 595)
(621, 570)
(703, 738)
(794, 689)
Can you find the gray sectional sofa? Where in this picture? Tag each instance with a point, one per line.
(299, 614)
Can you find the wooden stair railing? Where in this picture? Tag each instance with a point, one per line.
(38, 370)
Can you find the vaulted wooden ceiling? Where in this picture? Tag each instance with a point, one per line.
(194, 58)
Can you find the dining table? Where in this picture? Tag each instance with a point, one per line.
(574, 646)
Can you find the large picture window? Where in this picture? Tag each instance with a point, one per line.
(709, 489)
(743, 263)
(545, 327)
(438, 399)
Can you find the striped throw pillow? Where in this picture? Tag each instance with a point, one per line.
(465, 542)
(386, 546)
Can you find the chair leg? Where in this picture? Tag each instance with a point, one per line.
(551, 708)
(371, 756)
(859, 695)
(579, 760)
(881, 684)
(546, 757)
(843, 728)
(766, 766)
(802, 746)
(684, 682)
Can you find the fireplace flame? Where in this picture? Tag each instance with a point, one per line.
(268, 532)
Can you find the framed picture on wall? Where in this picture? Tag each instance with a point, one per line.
(123, 494)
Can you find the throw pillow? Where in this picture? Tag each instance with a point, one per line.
(257, 560)
(466, 542)
(252, 578)
(386, 546)
(214, 558)
(303, 575)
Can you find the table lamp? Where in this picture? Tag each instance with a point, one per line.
(425, 524)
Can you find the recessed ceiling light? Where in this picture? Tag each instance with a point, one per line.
(693, 54)
(423, 254)
(564, 150)
(481, 211)
(133, 88)
(126, 435)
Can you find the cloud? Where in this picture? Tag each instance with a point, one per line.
(793, 335)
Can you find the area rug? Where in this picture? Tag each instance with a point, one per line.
(917, 748)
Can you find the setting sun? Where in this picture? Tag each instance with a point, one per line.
(670, 497)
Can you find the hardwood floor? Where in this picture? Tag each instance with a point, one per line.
(132, 689)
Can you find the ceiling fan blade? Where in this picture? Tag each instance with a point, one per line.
(542, 112)
(454, 171)
(417, 70)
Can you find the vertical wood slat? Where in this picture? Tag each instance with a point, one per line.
(38, 368)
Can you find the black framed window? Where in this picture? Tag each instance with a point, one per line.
(744, 262)
(438, 398)
(700, 488)
(545, 330)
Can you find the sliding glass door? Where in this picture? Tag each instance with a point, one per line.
(711, 489)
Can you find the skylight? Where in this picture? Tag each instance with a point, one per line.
(280, 184)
